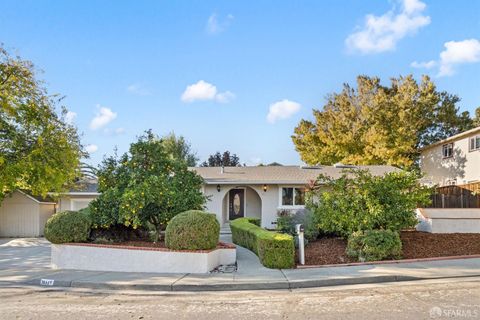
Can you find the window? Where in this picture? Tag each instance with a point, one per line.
(474, 143)
(447, 150)
(293, 196)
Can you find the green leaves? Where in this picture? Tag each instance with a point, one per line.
(39, 151)
(359, 201)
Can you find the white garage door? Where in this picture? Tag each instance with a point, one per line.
(18, 220)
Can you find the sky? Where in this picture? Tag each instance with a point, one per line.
(232, 75)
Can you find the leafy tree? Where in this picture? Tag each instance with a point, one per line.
(359, 201)
(376, 124)
(145, 187)
(476, 120)
(179, 149)
(39, 151)
(222, 160)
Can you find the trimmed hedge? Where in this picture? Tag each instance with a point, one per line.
(374, 245)
(68, 226)
(192, 230)
(275, 250)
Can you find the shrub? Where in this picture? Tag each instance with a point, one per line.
(359, 201)
(274, 250)
(287, 220)
(374, 245)
(192, 230)
(68, 226)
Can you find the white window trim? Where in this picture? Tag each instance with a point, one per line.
(470, 149)
(443, 148)
(280, 190)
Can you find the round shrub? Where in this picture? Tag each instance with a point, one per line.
(68, 226)
(192, 230)
(374, 245)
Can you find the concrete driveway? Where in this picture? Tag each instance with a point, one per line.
(19, 253)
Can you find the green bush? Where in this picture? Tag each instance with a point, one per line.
(192, 230)
(68, 226)
(359, 201)
(274, 250)
(287, 220)
(374, 245)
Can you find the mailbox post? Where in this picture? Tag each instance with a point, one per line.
(301, 242)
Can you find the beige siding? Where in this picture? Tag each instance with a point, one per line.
(74, 203)
(19, 216)
(46, 211)
(463, 167)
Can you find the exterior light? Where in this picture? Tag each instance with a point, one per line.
(218, 187)
(265, 188)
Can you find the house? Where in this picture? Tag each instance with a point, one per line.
(79, 196)
(23, 215)
(453, 161)
(262, 191)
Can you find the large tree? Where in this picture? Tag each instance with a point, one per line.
(378, 124)
(39, 151)
(222, 160)
(476, 119)
(179, 149)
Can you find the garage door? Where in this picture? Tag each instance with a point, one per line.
(18, 220)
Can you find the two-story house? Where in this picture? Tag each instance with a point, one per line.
(453, 161)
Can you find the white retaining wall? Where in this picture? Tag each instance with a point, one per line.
(103, 258)
(449, 220)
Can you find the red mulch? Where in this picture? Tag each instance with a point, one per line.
(416, 245)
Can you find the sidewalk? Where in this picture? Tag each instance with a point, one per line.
(26, 262)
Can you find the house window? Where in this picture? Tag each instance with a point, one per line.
(293, 196)
(447, 150)
(474, 143)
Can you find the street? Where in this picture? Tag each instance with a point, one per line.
(432, 299)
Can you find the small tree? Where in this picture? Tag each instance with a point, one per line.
(222, 160)
(359, 201)
(179, 149)
(145, 187)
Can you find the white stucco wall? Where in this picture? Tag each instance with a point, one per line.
(137, 260)
(448, 220)
(463, 167)
(263, 205)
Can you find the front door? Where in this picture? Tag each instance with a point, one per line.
(236, 204)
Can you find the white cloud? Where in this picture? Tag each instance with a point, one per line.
(70, 117)
(103, 117)
(216, 25)
(91, 148)
(282, 110)
(424, 65)
(117, 131)
(138, 90)
(456, 53)
(381, 33)
(204, 91)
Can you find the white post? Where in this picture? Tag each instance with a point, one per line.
(301, 243)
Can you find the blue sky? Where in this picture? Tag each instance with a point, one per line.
(236, 75)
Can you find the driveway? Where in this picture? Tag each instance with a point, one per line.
(22, 253)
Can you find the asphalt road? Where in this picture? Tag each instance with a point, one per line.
(446, 299)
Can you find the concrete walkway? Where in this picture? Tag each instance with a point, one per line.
(26, 262)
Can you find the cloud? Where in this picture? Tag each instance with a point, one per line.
(282, 110)
(204, 91)
(456, 53)
(91, 148)
(381, 33)
(138, 89)
(117, 131)
(215, 26)
(103, 117)
(70, 117)
(424, 65)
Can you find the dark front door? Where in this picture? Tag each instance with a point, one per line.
(236, 203)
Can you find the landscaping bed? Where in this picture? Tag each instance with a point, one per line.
(416, 245)
(143, 244)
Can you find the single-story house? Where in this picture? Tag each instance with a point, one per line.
(452, 161)
(262, 191)
(24, 215)
(79, 196)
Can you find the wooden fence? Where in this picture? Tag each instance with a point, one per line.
(459, 196)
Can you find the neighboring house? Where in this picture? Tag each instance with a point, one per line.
(262, 191)
(78, 197)
(23, 215)
(452, 161)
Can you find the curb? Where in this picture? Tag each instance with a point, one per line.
(279, 285)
